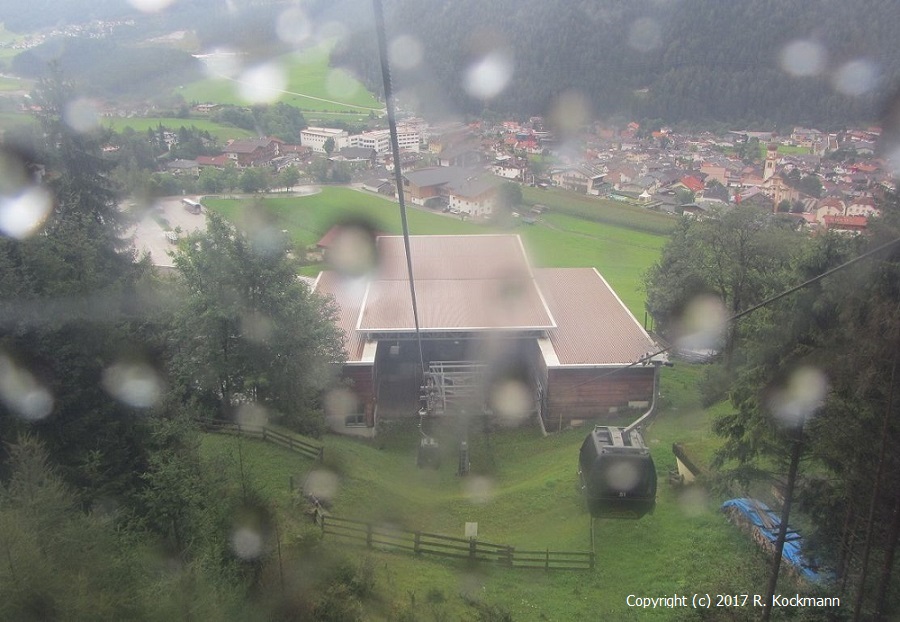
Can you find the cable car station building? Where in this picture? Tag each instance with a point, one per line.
(487, 317)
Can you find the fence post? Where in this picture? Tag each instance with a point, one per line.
(417, 542)
(264, 433)
(592, 560)
(321, 516)
(547, 562)
(369, 535)
(321, 454)
(472, 546)
(510, 552)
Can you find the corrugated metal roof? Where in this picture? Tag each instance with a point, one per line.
(348, 295)
(484, 282)
(593, 325)
(446, 305)
(462, 282)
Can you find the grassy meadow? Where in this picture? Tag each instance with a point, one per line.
(522, 492)
(310, 84)
(221, 132)
(621, 254)
(522, 489)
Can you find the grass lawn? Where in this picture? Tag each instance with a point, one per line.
(221, 132)
(522, 492)
(309, 81)
(599, 210)
(14, 84)
(621, 254)
(10, 120)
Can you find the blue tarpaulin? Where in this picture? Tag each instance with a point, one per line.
(765, 522)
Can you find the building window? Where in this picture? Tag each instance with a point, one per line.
(355, 421)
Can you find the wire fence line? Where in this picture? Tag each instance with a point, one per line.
(268, 434)
(421, 543)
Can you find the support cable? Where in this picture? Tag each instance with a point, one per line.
(398, 176)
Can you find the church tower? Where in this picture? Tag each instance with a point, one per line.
(771, 159)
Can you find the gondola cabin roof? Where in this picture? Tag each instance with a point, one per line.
(617, 473)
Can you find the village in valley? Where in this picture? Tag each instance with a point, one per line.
(818, 180)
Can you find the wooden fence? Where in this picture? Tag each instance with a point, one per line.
(268, 434)
(419, 543)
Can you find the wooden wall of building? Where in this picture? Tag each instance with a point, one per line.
(363, 385)
(580, 394)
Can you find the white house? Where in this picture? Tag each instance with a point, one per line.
(316, 137)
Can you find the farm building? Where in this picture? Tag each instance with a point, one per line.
(487, 319)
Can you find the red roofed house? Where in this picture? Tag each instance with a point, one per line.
(558, 338)
(692, 183)
(219, 161)
(846, 224)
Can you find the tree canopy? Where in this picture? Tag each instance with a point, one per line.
(250, 333)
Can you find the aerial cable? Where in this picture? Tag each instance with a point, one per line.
(398, 176)
(648, 358)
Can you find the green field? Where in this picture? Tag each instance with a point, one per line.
(527, 499)
(9, 120)
(310, 84)
(621, 254)
(525, 491)
(14, 84)
(221, 132)
(600, 210)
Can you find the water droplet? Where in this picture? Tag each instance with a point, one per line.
(893, 160)
(570, 112)
(341, 84)
(405, 52)
(322, 485)
(251, 415)
(150, 6)
(622, 475)
(22, 393)
(134, 383)
(800, 397)
(23, 214)
(803, 58)
(222, 63)
(246, 543)
(263, 84)
(855, 78)
(702, 325)
(693, 501)
(353, 251)
(256, 327)
(293, 26)
(487, 77)
(82, 115)
(339, 403)
(479, 490)
(511, 401)
(645, 35)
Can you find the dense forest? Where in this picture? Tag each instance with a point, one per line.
(810, 378)
(690, 61)
(109, 67)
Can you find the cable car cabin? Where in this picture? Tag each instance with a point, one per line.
(428, 454)
(617, 473)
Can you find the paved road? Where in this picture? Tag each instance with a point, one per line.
(150, 236)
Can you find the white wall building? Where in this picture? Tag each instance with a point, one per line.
(315, 137)
(408, 139)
